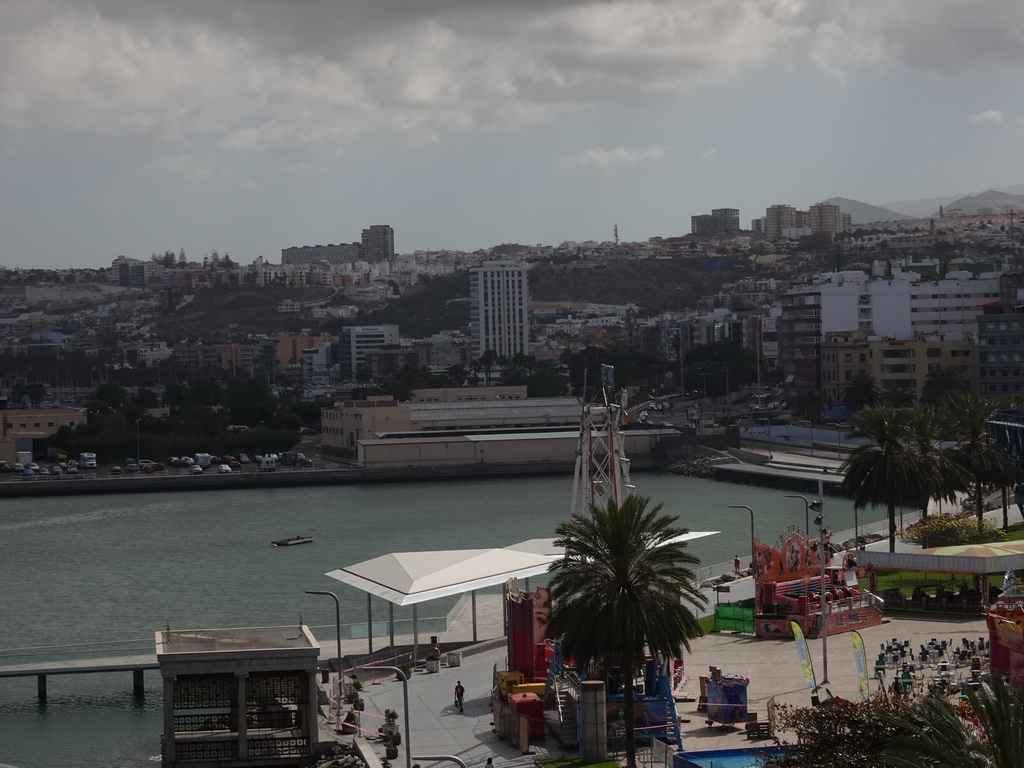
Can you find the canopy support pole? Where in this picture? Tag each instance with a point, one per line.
(472, 597)
(369, 623)
(415, 634)
(391, 624)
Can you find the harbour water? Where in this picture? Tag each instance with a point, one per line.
(98, 575)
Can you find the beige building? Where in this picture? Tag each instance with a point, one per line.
(290, 345)
(26, 429)
(239, 697)
(903, 363)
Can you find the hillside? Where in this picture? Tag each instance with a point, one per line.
(863, 213)
(654, 285)
(243, 310)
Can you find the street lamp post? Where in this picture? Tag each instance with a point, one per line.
(820, 522)
(337, 626)
(752, 553)
(138, 451)
(808, 506)
(405, 702)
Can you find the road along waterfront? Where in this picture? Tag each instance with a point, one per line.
(95, 576)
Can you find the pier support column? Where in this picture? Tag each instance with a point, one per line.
(138, 683)
(594, 721)
(41, 687)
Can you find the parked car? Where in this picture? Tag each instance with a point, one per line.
(56, 470)
(17, 467)
(131, 468)
(235, 466)
(4, 466)
(304, 462)
(196, 469)
(244, 458)
(33, 466)
(42, 471)
(72, 470)
(224, 469)
(114, 471)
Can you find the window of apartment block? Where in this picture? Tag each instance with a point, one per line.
(934, 352)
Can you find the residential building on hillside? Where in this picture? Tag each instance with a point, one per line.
(499, 297)
(719, 221)
(342, 253)
(378, 244)
(777, 218)
(290, 346)
(825, 217)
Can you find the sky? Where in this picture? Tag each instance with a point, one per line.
(129, 127)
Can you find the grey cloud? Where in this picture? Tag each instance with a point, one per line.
(262, 74)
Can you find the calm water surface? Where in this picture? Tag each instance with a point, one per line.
(98, 575)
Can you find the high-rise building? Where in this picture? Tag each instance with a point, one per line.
(343, 253)
(778, 218)
(378, 243)
(499, 308)
(825, 217)
(720, 220)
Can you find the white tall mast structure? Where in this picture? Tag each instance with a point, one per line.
(602, 469)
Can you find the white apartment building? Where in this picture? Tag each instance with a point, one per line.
(355, 341)
(499, 308)
(904, 308)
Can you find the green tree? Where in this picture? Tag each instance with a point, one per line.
(489, 359)
(932, 733)
(888, 471)
(941, 382)
(967, 417)
(861, 390)
(622, 586)
(897, 394)
(928, 430)
(810, 406)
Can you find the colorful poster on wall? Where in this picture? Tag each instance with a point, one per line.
(805, 655)
(860, 656)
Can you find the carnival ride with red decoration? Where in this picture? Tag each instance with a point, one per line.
(789, 586)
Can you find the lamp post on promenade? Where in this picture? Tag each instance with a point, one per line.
(405, 702)
(337, 626)
(744, 506)
(808, 506)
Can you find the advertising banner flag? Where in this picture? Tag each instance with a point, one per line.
(805, 655)
(860, 656)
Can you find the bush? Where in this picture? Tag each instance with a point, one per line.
(948, 530)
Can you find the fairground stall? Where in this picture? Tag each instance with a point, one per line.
(789, 585)
(1006, 630)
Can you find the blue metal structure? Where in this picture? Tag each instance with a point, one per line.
(1006, 430)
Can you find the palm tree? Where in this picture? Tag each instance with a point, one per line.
(623, 585)
(928, 429)
(861, 390)
(810, 406)
(897, 394)
(967, 417)
(942, 381)
(887, 471)
(930, 731)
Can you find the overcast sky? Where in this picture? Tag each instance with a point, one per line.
(246, 126)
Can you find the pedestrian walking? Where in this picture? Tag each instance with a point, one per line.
(736, 563)
(460, 692)
(489, 763)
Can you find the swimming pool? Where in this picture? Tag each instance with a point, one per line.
(724, 758)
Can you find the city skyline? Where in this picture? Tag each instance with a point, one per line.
(134, 127)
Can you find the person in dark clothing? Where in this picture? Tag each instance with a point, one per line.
(460, 692)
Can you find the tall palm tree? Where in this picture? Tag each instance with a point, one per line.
(861, 390)
(931, 732)
(623, 585)
(898, 394)
(928, 430)
(888, 470)
(967, 417)
(942, 381)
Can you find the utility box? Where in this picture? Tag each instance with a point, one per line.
(508, 679)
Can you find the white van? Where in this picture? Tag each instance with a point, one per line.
(267, 463)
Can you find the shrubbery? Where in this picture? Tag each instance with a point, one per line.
(948, 530)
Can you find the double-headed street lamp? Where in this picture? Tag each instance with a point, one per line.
(820, 522)
(808, 506)
(337, 626)
(753, 555)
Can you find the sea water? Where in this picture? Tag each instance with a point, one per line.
(96, 576)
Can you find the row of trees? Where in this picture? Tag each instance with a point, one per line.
(863, 389)
(924, 453)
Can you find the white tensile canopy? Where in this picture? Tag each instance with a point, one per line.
(410, 578)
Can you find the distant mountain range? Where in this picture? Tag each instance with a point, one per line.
(864, 213)
(927, 207)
